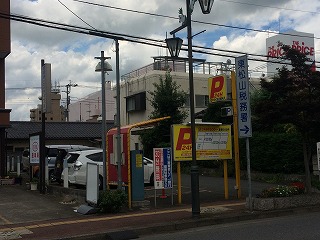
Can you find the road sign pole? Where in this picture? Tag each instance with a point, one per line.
(249, 173)
(235, 132)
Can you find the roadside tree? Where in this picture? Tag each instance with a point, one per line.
(291, 100)
(167, 100)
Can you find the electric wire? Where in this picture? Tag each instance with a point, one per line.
(76, 15)
(195, 21)
(267, 6)
(129, 38)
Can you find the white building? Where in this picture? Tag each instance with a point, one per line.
(135, 88)
(89, 108)
(137, 85)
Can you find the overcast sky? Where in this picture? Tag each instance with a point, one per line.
(72, 54)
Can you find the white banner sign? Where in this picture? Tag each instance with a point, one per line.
(243, 97)
(34, 149)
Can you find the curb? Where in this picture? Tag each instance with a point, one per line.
(132, 233)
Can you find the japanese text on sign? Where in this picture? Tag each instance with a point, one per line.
(162, 168)
(243, 97)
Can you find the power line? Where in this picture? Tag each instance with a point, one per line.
(129, 38)
(22, 88)
(267, 6)
(76, 15)
(195, 21)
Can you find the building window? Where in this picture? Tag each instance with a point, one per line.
(136, 102)
(201, 101)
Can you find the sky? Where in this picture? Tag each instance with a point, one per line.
(236, 25)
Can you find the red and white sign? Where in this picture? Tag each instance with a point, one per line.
(158, 163)
(34, 149)
(303, 42)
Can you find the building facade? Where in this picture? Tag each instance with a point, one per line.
(57, 114)
(135, 88)
(89, 108)
(137, 85)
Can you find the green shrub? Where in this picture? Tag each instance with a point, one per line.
(111, 201)
(274, 153)
(280, 191)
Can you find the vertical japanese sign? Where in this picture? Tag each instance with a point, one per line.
(34, 142)
(217, 88)
(162, 168)
(243, 97)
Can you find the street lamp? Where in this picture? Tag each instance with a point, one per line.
(206, 6)
(103, 67)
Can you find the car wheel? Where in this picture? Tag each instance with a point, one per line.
(152, 179)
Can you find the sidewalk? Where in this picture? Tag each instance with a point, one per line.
(26, 214)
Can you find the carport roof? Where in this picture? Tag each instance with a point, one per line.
(57, 130)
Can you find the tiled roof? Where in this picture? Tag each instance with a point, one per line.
(57, 130)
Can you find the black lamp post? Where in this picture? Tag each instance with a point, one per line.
(103, 67)
(206, 6)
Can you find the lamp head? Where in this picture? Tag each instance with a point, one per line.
(107, 67)
(174, 46)
(206, 6)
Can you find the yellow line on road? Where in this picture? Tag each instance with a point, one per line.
(114, 217)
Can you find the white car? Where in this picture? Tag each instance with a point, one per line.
(148, 171)
(77, 166)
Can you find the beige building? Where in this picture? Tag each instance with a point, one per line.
(57, 114)
(137, 85)
(135, 88)
(89, 108)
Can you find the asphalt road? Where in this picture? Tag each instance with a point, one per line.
(294, 227)
(20, 205)
(210, 188)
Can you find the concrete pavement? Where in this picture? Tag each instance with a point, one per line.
(26, 214)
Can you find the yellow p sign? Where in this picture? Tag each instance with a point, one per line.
(217, 88)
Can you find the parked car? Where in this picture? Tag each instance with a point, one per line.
(77, 166)
(148, 171)
(51, 152)
(55, 176)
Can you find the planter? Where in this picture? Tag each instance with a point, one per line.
(265, 204)
(33, 186)
(7, 181)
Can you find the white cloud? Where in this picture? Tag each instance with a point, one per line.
(72, 54)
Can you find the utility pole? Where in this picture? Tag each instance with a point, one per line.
(68, 86)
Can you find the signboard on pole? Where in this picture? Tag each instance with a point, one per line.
(162, 167)
(46, 87)
(243, 97)
(212, 142)
(34, 142)
(217, 86)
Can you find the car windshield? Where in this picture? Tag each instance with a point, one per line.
(96, 157)
(72, 157)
